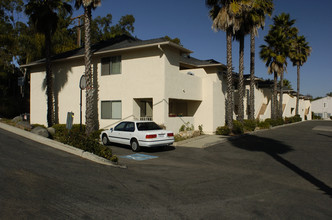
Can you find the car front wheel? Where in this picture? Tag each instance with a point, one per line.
(134, 145)
(105, 140)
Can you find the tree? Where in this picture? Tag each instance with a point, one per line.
(276, 52)
(174, 40)
(90, 113)
(223, 14)
(256, 20)
(242, 19)
(329, 94)
(284, 24)
(299, 53)
(102, 29)
(44, 17)
(286, 83)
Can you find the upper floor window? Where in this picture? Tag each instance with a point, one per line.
(111, 65)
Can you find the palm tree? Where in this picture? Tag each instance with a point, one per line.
(256, 20)
(275, 60)
(44, 17)
(276, 52)
(299, 53)
(90, 112)
(283, 24)
(242, 19)
(223, 13)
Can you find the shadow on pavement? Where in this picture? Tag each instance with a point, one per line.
(275, 148)
(145, 149)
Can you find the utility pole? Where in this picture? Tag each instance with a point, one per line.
(79, 32)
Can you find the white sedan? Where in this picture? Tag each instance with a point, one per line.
(138, 134)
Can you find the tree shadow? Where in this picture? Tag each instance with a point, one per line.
(274, 149)
(325, 135)
(60, 79)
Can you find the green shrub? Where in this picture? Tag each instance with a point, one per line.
(200, 128)
(249, 125)
(275, 122)
(186, 127)
(293, 119)
(297, 118)
(237, 127)
(77, 138)
(263, 125)
(223, 130)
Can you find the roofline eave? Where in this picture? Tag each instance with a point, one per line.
(182, 49)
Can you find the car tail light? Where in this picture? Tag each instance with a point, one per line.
(150, 136)
(170, 135)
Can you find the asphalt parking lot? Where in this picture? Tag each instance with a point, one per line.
(282, 173)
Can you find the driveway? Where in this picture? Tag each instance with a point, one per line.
(282, 173)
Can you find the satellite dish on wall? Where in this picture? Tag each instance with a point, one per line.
(82, 82)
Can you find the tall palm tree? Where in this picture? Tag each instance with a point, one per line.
(43, 15)
(256, 20)
(276, 52)
(90, 113)
(284, 25)
(223, 13)
(275, 60)
(299, 53)
(242, 19)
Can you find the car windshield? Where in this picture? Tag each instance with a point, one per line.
(147, 126)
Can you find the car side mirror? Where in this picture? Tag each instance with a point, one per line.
(111, 129)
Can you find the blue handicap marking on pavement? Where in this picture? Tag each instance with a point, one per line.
(139, 157)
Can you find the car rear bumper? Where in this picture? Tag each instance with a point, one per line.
(155, 143)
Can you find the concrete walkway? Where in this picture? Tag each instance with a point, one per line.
(202, 141)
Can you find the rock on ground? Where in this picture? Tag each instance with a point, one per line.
(40, 131)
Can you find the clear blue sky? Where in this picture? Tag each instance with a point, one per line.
(189, 21)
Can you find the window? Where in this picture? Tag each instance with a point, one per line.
(111, 65)
(121, 126)
(111, 110)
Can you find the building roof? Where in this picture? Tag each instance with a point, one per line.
(191, 61)
(118, 43)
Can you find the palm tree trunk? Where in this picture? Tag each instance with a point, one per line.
(229, 99)
(241, 86)
(274, 102)
(298, 90)
(281, 94)
(49, 81)
(252, 77)
(88, 73)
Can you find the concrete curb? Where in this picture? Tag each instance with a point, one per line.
(60, 146)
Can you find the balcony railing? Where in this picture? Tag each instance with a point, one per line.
(146, 118)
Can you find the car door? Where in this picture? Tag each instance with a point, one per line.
(127, 134)
(117, 135)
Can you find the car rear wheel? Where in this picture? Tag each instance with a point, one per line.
(105, 140)
(134, 145)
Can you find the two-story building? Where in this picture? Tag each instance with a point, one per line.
(135, 79)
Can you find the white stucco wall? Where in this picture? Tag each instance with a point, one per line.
(66, 92)
(322, 106)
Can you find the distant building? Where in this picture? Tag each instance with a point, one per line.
(322, 107)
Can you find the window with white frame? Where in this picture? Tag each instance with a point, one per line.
(111, 65)
(111, 110)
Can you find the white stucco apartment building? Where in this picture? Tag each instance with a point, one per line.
(323, 107)
(144, 80)
(152, 79)
(263, 101)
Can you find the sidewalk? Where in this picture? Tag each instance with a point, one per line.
(202, 141)
(59, 146)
